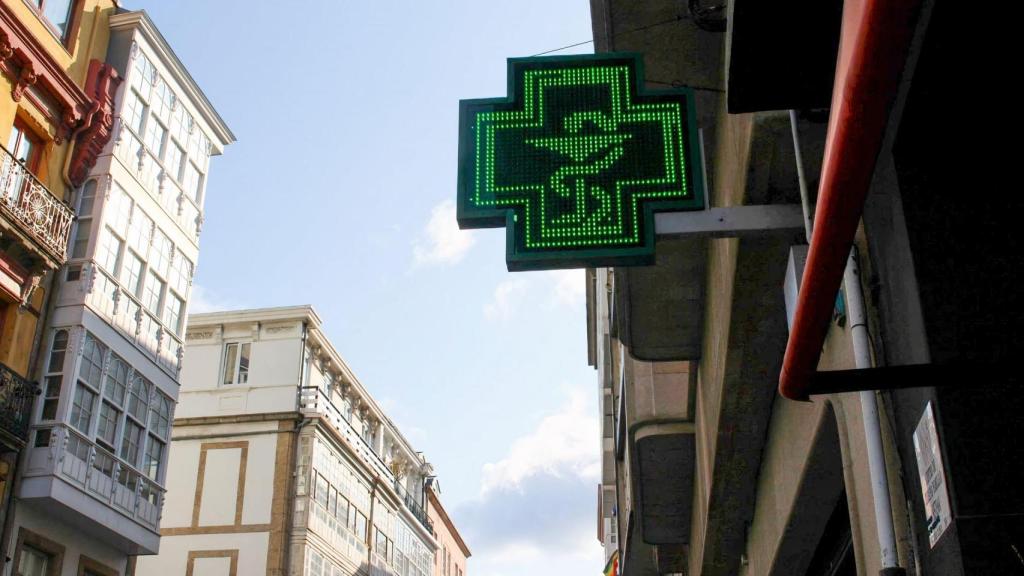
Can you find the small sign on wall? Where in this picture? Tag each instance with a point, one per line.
(933, 476)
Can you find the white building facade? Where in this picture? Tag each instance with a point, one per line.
(282, 463)
(92, 485)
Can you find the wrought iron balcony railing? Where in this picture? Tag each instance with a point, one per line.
(16, 394)
(37, 212)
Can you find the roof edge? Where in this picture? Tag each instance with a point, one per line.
(140, 20)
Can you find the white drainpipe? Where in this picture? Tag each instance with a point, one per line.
(857, 317)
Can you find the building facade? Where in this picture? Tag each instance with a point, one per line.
(452, 552)
(55, 104)
(707, 469)
(283, 464)
(91, 484)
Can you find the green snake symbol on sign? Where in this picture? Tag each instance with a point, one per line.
(576, 161)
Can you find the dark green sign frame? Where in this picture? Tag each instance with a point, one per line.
(576, 161)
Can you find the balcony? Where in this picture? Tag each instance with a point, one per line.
(86, 486)
(313, 400)
(40, 216)
(16, 395)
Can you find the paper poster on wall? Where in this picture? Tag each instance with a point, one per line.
(933, 476)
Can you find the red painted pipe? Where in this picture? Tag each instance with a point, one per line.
(873, 48)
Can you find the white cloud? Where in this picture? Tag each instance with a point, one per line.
(563, 444)
(535, 511)
(570, 286)
(506, 297)
(442, 242)
(204, 300)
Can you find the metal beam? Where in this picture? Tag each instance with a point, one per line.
(731, 222)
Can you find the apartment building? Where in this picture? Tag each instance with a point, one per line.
(56, 96)
(452, 551)
(282, 463)
(708, 470)
(91, 484)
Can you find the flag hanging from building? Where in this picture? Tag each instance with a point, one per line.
(612, 567)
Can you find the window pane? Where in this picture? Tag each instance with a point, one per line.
(92, 361)
(82, 408)
(107, 427)
(163, 100)
(160, 415)
(151, 292)
(154, 452)
(142, 75)
(155, 136)
(117, 380)
(243, 363)
(130, 442)
(106, 254)
(230, 359)
(58, 12)
(140, 232)
(133, 110)
(60, 345)
(131, 272)
(138, 397)
(82, 233)
(181, 273)
(160, 256)
(33, 562)
(173, 160)
(172, 312)
(191, 181)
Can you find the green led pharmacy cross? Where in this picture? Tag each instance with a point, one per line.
(576, 161)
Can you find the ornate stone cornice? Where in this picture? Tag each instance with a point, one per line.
(101, 85)
(27, 63)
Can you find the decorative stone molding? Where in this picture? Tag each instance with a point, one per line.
(101, 84)
(26, 62)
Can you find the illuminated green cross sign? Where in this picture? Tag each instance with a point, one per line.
(576, 161)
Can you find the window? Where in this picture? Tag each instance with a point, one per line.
(131, 272)
(160, 415)
(155, 135)
(117, 380)
(134, 109)
(106, 430)
(191, 181)
(57, 14)
(92, 361)
(142, 75)
(154, 453)
(172, 312)
(33, 562)
(131, 442)
(173, 160)
(140, 233)
(82, 408)
(138, 397)
(151, 292)
(161, 254)
(26, 149)
(163, 101)
(181, 273)
(236, 362)
(106, 254)
(84, 227)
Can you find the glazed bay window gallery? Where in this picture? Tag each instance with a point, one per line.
(113, 407)
(162, 143)
(152, 271)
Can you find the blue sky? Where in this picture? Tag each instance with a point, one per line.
(339, 193)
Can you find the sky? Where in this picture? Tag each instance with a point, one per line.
(340, 193)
